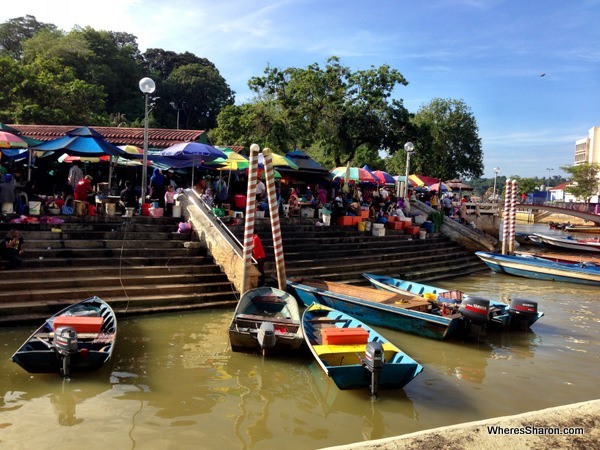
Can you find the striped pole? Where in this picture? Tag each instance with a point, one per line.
(250, 213)
(275, 224)
(512, 219)
(505, 213)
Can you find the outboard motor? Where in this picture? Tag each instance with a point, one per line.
(521, 312)
(65, 342)
(374, 362)
(266, 336)
(476, 312)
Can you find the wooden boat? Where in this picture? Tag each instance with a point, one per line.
(588, 245)
(543, 269)
(562, 256)
(266, 319)
(582, 229)
(352, 354)
(402, 312)
(499, 315)
(80, 338)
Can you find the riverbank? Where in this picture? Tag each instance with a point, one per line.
(542, 426)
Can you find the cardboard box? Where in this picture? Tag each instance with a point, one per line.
(344, 336)
(80, 324)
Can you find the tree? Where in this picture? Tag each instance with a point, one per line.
(448, 145)
(525, 185)
(333, 108)
(585, 182)
(14, 32)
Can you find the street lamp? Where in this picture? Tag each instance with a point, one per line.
(496, 171)
(548, 186)
(408, 148)
(147, 86)
(176, 106)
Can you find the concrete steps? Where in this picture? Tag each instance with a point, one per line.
(139, 266)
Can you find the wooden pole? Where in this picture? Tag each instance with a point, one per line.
(505, 214)
(512, 217)
(250, 213)
(275, 224)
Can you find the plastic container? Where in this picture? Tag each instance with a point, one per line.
(177, 210)
(79, 323)
(362, 226)
(344, 336)
(423, 234)
(7, 208)
(146, 209)
(111, 209)
(34, 208)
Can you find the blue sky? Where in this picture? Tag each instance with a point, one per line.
(489, 53)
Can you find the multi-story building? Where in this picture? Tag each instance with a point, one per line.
(587, 150)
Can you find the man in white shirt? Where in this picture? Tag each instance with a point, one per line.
(260, 190)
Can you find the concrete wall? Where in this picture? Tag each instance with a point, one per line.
(220, 245)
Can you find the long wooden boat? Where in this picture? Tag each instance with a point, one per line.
(587, 245)
(402, 312)
(562, 256)
(499, 315)
(542, 269)
(266, 319)
(583, 229)
(80, 338)
(354, 355)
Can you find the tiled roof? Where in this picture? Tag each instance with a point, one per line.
(157, 137)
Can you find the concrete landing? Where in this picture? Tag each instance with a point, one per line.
(533, 430)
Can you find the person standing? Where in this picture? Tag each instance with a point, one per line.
(169, 201)
(258, 253)
(83, 190)
(75, 176)
(157, 186)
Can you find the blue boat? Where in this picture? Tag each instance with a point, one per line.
(402, 312)
(519, 314)
(354, 355)
(542, 269)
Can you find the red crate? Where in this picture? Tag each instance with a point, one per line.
(344, 336)
(80, 324)
(395, 226)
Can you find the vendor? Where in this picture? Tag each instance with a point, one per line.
(83, 190)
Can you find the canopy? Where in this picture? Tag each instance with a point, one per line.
(436, 187)
(82, 141)
(457, 185)
(194, 152)
(233, 161)
(383, 177)
(10, 140)
(305, 163)
(352, 174)
(278, 161)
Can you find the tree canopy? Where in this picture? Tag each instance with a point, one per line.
(585, 183)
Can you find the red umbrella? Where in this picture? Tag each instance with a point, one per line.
(9, 140)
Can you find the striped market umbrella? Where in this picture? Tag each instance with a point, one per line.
(353, 174)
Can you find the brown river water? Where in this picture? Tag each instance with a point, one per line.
(173, 382)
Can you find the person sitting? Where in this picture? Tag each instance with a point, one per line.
(11, 249)
(354, 207)
(293, 200)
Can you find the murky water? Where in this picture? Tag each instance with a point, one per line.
(173, 382)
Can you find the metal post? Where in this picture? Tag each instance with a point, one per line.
(145, 153)
(409, 148)
(496, 170)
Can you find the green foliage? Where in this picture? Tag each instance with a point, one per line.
(14, 32)
(449, 145)
(525, 185)
(437, 218)
(584, 184)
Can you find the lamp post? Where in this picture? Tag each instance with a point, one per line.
(496, 171)
(548, 186)
(176, 106)
(147, 86)
(408, 148)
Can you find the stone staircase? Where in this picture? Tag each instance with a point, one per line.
(138, 265)
(343, 254)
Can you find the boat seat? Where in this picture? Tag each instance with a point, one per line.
(259, 318)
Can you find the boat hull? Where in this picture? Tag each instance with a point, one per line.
(266, 304)
(538, 268)
(374, 313)
(587, 245)
(499, 317)
(38, 355)
(342, 363)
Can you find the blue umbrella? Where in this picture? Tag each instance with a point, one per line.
(197, 152)
(82, 141)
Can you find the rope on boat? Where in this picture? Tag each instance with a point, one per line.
(250, 213)
(275, 223)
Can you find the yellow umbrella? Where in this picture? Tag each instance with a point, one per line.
(234, 161)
